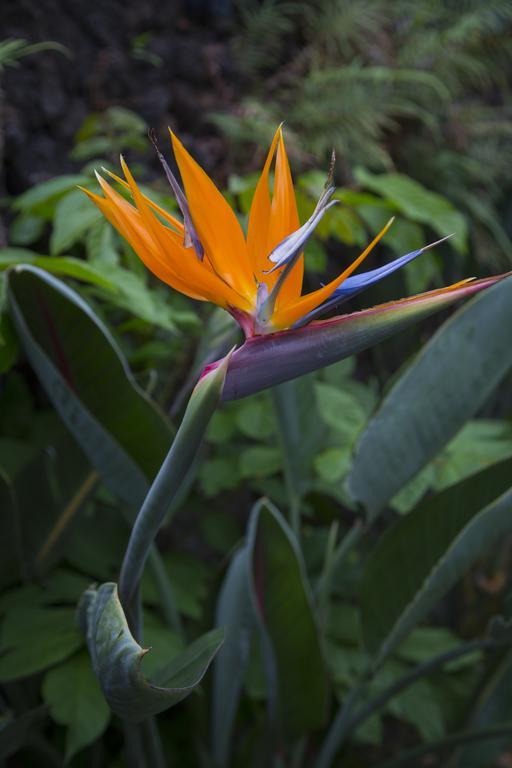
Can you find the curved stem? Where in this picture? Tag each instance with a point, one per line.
(344, 724)
(285, 408)
(419, 671)
(334, 558)
(200, 409)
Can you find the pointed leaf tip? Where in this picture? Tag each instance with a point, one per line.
(116, 659)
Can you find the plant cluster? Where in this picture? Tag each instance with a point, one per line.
(331, 576)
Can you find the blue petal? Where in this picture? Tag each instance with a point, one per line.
(356, 283)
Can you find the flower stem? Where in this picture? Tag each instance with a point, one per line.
(285, 408)
(200, 409)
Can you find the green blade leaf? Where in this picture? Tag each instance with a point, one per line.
(264, 361)
(235, 615)
(283, 606)
(117, 657)
(88, 380)
(443, 388)
(424, 554)
(72, 692)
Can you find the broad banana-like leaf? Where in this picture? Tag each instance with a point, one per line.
(116, 659)
(445, 385)
(423, 555)
(264, 361)
(87, 378)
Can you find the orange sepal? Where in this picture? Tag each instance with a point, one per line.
(216, 224)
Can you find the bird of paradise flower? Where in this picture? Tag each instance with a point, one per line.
(258, 278)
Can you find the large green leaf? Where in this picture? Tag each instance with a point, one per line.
(443, 388)
(86, 377)
(72, 692)
(264, 361)
(424, 554)
(117, 659)
(236, 617)
(283, 605)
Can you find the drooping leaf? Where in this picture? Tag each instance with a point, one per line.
(443, 388)
(62, 265)
(424, 554)
(264, 361)
(76, 701)
(88, 380)
(283, 607)
(234, 615)
(116, 659)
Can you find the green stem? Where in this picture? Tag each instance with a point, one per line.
(134, 748)
(449, 742)
(155, 752)
(200, 409)
(338, 729)
(345, 724)
(284, 398)
(333, 561)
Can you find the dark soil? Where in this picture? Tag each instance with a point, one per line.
(47, 96)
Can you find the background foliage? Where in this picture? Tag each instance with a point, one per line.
(415, 99)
